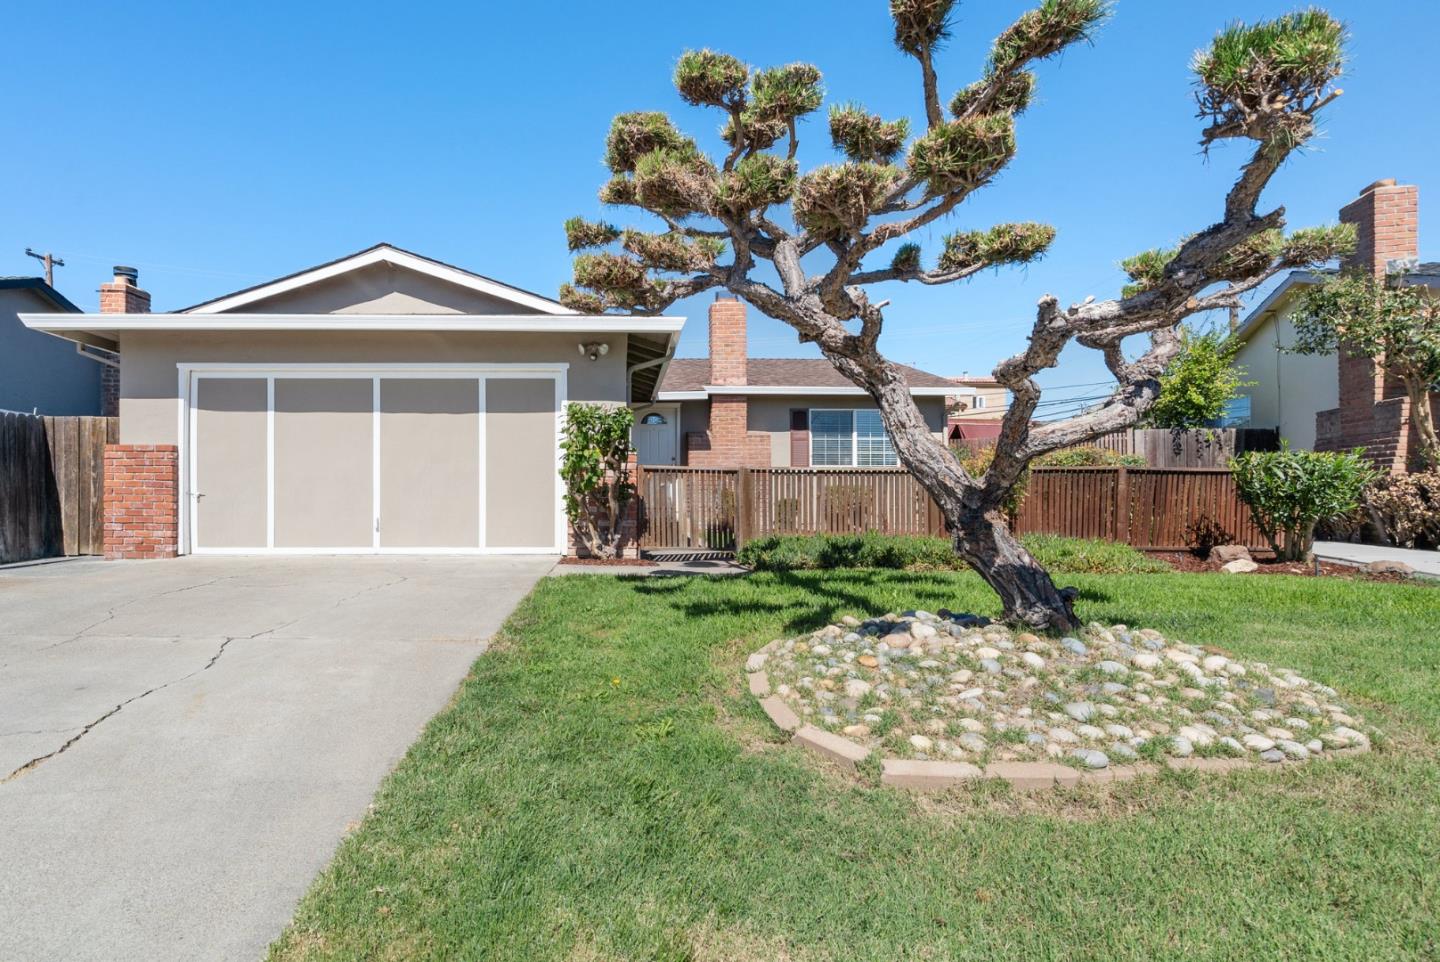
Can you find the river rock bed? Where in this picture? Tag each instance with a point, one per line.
(958, 688)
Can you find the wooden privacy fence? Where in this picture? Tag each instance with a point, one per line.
(52, 485)
(1176, 448)
(718, 509)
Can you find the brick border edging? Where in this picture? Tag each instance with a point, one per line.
(920, 775)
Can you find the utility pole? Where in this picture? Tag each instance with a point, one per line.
(50, 261)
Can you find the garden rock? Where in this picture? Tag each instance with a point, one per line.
(1240, 566)
(1389, 568)
(1227, 553)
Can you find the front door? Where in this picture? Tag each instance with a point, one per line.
(657, 436)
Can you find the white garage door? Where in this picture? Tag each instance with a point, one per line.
(344, 460)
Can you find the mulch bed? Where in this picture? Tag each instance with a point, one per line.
(609, 562)
(1193, 564)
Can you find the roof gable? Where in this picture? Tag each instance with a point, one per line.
(383, 280)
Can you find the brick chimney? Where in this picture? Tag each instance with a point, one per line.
(1387, 224)
(727, 341)
(123, 295)
(1374, 411)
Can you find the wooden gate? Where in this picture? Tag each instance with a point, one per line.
(52, 485)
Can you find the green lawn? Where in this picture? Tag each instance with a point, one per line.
(602, 788)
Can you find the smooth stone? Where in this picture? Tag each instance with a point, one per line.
(1273, 755)
(1081, 711)
(987, 653)
(991, 666)
(1123, 752)
(1090, 731)
(1062, 735)
(857, 689)
(1032, 660)
(869, 661)
(821, 650)
(971, 742)
(1315, 746)
(921, 743)
(1111, 667)
(1181, 747)
(856, 731)
(1075, 646)
(1146, 661)
(921, 631)
(1257, 743)
(1292, 749)
(1091, 758)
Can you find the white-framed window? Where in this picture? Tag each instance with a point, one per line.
(849, 438)
(979, 402)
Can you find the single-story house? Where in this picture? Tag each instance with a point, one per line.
(384, 402)
(43, 375)
(730, 409)
(1335, 402)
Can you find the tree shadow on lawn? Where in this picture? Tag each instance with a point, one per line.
(811, 599)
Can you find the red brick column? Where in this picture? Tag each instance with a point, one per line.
(141, 519)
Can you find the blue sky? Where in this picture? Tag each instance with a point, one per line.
(219, 145)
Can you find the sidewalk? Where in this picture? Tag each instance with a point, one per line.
(1424, 562)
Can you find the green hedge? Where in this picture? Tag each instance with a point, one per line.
(917, 553)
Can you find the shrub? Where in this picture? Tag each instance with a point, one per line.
(1289, 492)
(1406, 507)
(922, 553)
(595, 450)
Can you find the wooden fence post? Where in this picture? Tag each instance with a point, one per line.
(1122, 505)
(744, 507)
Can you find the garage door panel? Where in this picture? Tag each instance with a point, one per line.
(230, 462)
(324, 462)
(520, 473)
(429, 463)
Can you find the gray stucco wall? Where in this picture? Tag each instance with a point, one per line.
(40, 372)
(384, 289)
(149, 377)
(1289, 389)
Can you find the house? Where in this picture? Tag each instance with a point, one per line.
(384, 402)
(1336, 402)
(40, 374)
(730, 409)
(974, 413)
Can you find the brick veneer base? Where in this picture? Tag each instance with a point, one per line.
(141, 519)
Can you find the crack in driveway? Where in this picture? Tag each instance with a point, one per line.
(111, 614)
(225, 643)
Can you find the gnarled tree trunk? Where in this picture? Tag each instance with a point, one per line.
(1026, 589)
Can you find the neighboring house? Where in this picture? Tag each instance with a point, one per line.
(40, 374)
(975, 412)
(1332, 402)
(732, 410)
(384, 402)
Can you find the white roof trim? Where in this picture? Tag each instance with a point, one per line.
(779, 390)
(378, 255)
(510, 323)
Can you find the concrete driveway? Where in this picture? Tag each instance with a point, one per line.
(184, 743)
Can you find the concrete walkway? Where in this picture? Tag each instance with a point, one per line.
(1424, 562)
(184, 743)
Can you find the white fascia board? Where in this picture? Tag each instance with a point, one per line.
(108, 324)
(757, 390)
(680, 395)
(381, 255)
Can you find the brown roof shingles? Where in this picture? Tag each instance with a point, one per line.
(693, 373)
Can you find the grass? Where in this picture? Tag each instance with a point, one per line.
(602, 788)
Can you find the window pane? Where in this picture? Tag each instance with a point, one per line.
(873, 447)
(831, 442)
